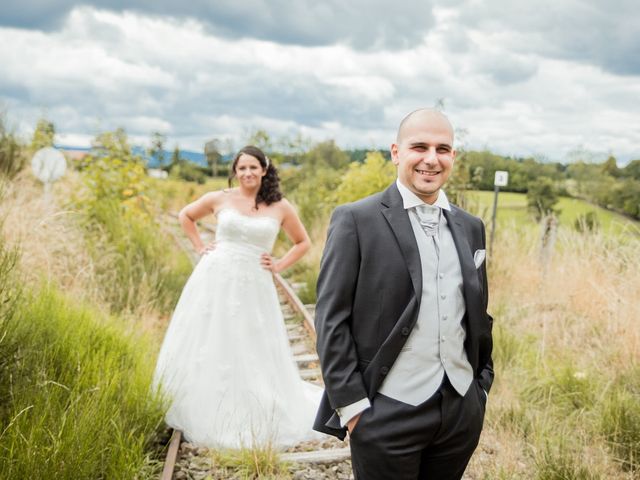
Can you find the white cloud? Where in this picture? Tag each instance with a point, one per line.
(103, 69)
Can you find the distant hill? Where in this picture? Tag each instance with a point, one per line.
(151, 161)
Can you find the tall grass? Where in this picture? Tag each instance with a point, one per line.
(567, 357)
(50, 238)
(75, 391)
(13, 156)
(134, 261)
(251, 463)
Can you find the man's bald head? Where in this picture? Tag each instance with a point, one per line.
(423, 115)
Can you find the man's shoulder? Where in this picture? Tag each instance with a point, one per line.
(362, 210)
(363, 204)
(465, 216)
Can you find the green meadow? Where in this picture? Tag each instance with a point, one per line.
(512, 209)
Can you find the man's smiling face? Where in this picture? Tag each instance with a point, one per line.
(424, 153)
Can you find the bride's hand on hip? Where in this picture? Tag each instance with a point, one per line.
(269, 263)
(207, 248)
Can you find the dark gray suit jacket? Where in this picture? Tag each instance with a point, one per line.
(369, 292)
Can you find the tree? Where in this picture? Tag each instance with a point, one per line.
(542, 196)
(43, 135)
(326, 154)
(632, 169)
(113, 172)
(175, 157)
(610, 167)
(587, 222)
(12, 157)
(364, 179)
(261, 139)
(114, 144)
(459, 181)
(156, 150)
(212, 152)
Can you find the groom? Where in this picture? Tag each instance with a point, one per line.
(404, 337)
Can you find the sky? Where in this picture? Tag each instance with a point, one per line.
(555, 79)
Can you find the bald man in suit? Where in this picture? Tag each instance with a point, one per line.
(404, 337)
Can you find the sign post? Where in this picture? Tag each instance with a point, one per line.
(48, 165)
(501, 179)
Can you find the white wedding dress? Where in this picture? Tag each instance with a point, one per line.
(225, 363)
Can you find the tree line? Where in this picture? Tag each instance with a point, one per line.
(313, 171)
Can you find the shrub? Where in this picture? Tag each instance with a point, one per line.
(131, 258)
(542, 196)
(620, 419)
(587, 222)
(128, 247)
(189, 171)
(74, 391)
(12, 156)
(364, 179)
(559, 461)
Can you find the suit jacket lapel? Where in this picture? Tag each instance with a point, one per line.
(465, 255)
(398, 219)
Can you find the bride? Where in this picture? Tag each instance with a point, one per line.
(225, 363)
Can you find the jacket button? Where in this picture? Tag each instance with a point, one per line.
(405, 331)
(384, 370)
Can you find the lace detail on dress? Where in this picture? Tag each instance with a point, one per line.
(225, 362)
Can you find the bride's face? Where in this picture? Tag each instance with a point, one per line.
(249, 172)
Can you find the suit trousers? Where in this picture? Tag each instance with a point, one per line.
(434, 440)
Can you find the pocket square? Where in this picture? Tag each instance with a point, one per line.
(479, 257)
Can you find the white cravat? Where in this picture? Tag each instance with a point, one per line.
(436, 343)
(413, 378)
(429, 218)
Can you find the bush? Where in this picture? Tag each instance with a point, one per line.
(313, 194)
(364, 179)
(131, 258)
(128, 247)
(189, 171)
(74, 391)
(620, 420)
(9, 295)
(559, 461)
(12, 156)
(587, 222)
(542, 196)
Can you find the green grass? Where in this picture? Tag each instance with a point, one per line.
(559, 460)
(512, 208)
(171, 194)
(620, 419)
(251, 463)
(75, 394)
(138, 265)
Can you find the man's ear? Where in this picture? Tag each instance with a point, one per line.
(394, 153)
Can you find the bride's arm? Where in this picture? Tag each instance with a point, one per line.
(195, 211)
(296, 232)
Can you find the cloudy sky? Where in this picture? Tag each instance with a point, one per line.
(551, 78)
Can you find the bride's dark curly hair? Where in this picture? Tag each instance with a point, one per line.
(269, 191)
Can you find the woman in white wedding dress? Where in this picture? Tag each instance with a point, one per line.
(225, 363)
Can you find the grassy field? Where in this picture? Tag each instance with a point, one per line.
(512, 208)
(75, 393)
(565, 404)
(174, 194)
(78, 345)
(566, 401)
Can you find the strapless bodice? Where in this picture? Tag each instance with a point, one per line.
(234, 227)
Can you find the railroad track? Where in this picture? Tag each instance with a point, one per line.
(301, 333)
